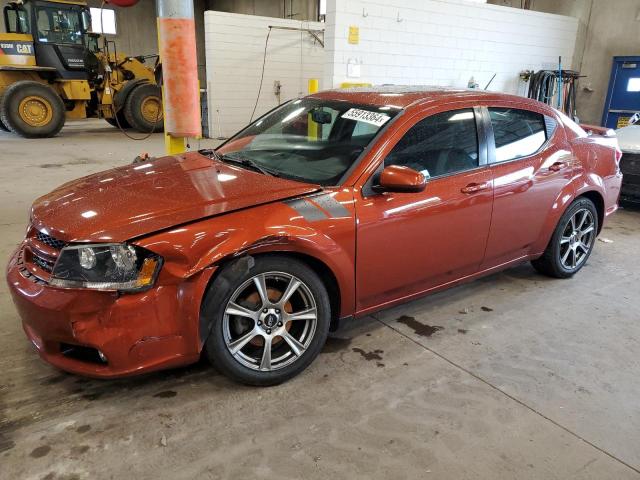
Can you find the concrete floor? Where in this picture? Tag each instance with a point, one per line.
(513, 376)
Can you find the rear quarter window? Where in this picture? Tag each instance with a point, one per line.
(518, 133)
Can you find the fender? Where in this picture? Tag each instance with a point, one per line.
(274, 228)
(574, 189)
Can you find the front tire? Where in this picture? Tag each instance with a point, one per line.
(32, 110)
(572, 241)
(120, 120)
(3, 127)
(143, 109)
(267, 324)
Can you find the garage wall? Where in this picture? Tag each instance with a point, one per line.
(235, 46)
(443, 42)
(610, 32)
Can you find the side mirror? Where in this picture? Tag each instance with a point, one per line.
(396, 178)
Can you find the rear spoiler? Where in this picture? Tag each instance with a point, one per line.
(596, 130)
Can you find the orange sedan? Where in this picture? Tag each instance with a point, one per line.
(328, 207)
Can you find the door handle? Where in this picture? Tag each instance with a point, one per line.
(556, 167)
(474, 187)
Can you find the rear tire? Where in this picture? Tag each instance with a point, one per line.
(32, 110)
(242, 321)
(143, 108)
(572, 241)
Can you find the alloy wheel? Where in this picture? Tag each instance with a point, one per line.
(577, 239)
(269, 321)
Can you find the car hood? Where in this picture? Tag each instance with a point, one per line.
(629, 139)
(137, 199)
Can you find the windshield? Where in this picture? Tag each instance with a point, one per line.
(310, 140)
(59, 25)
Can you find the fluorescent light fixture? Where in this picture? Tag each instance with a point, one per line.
(89, 214)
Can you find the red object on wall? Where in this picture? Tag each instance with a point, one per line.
(122, 3)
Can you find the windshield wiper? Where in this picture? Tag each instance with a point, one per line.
(245, 162)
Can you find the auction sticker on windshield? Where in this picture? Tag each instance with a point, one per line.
(374, 118)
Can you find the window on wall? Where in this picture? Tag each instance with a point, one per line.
(633, 85)
(106, 15)
(438, 145)
(323, 7)
(517, 133)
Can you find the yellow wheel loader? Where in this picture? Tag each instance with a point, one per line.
(52, 68)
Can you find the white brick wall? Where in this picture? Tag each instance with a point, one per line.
(234, 52)
(443, 42)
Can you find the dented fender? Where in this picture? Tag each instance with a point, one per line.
(321, 226)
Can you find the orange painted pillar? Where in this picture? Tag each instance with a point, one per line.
(177, 47)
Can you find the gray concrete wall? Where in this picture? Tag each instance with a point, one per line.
(607, 29)
(614, 29)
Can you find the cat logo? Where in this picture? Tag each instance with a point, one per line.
(16, 48)
(24, 49)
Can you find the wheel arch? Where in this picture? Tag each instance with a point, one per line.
(236, 264)
(598, 200)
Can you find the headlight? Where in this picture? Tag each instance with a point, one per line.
(106, 267)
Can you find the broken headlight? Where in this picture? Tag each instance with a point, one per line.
(117, 266)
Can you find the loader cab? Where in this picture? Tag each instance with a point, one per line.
(59, 32)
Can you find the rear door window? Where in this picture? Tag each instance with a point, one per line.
(518, 133)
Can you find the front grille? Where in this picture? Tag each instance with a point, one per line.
(50, 241)
(43, 263)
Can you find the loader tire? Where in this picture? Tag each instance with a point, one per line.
(3, 127)
(143, 109)
(121, 120)
(32, 110)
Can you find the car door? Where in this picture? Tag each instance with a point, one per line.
(531, 164)
(408, 243)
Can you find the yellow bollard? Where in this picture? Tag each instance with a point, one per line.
(312, 127)
(172, 145)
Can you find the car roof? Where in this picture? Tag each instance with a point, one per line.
(403, 96)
